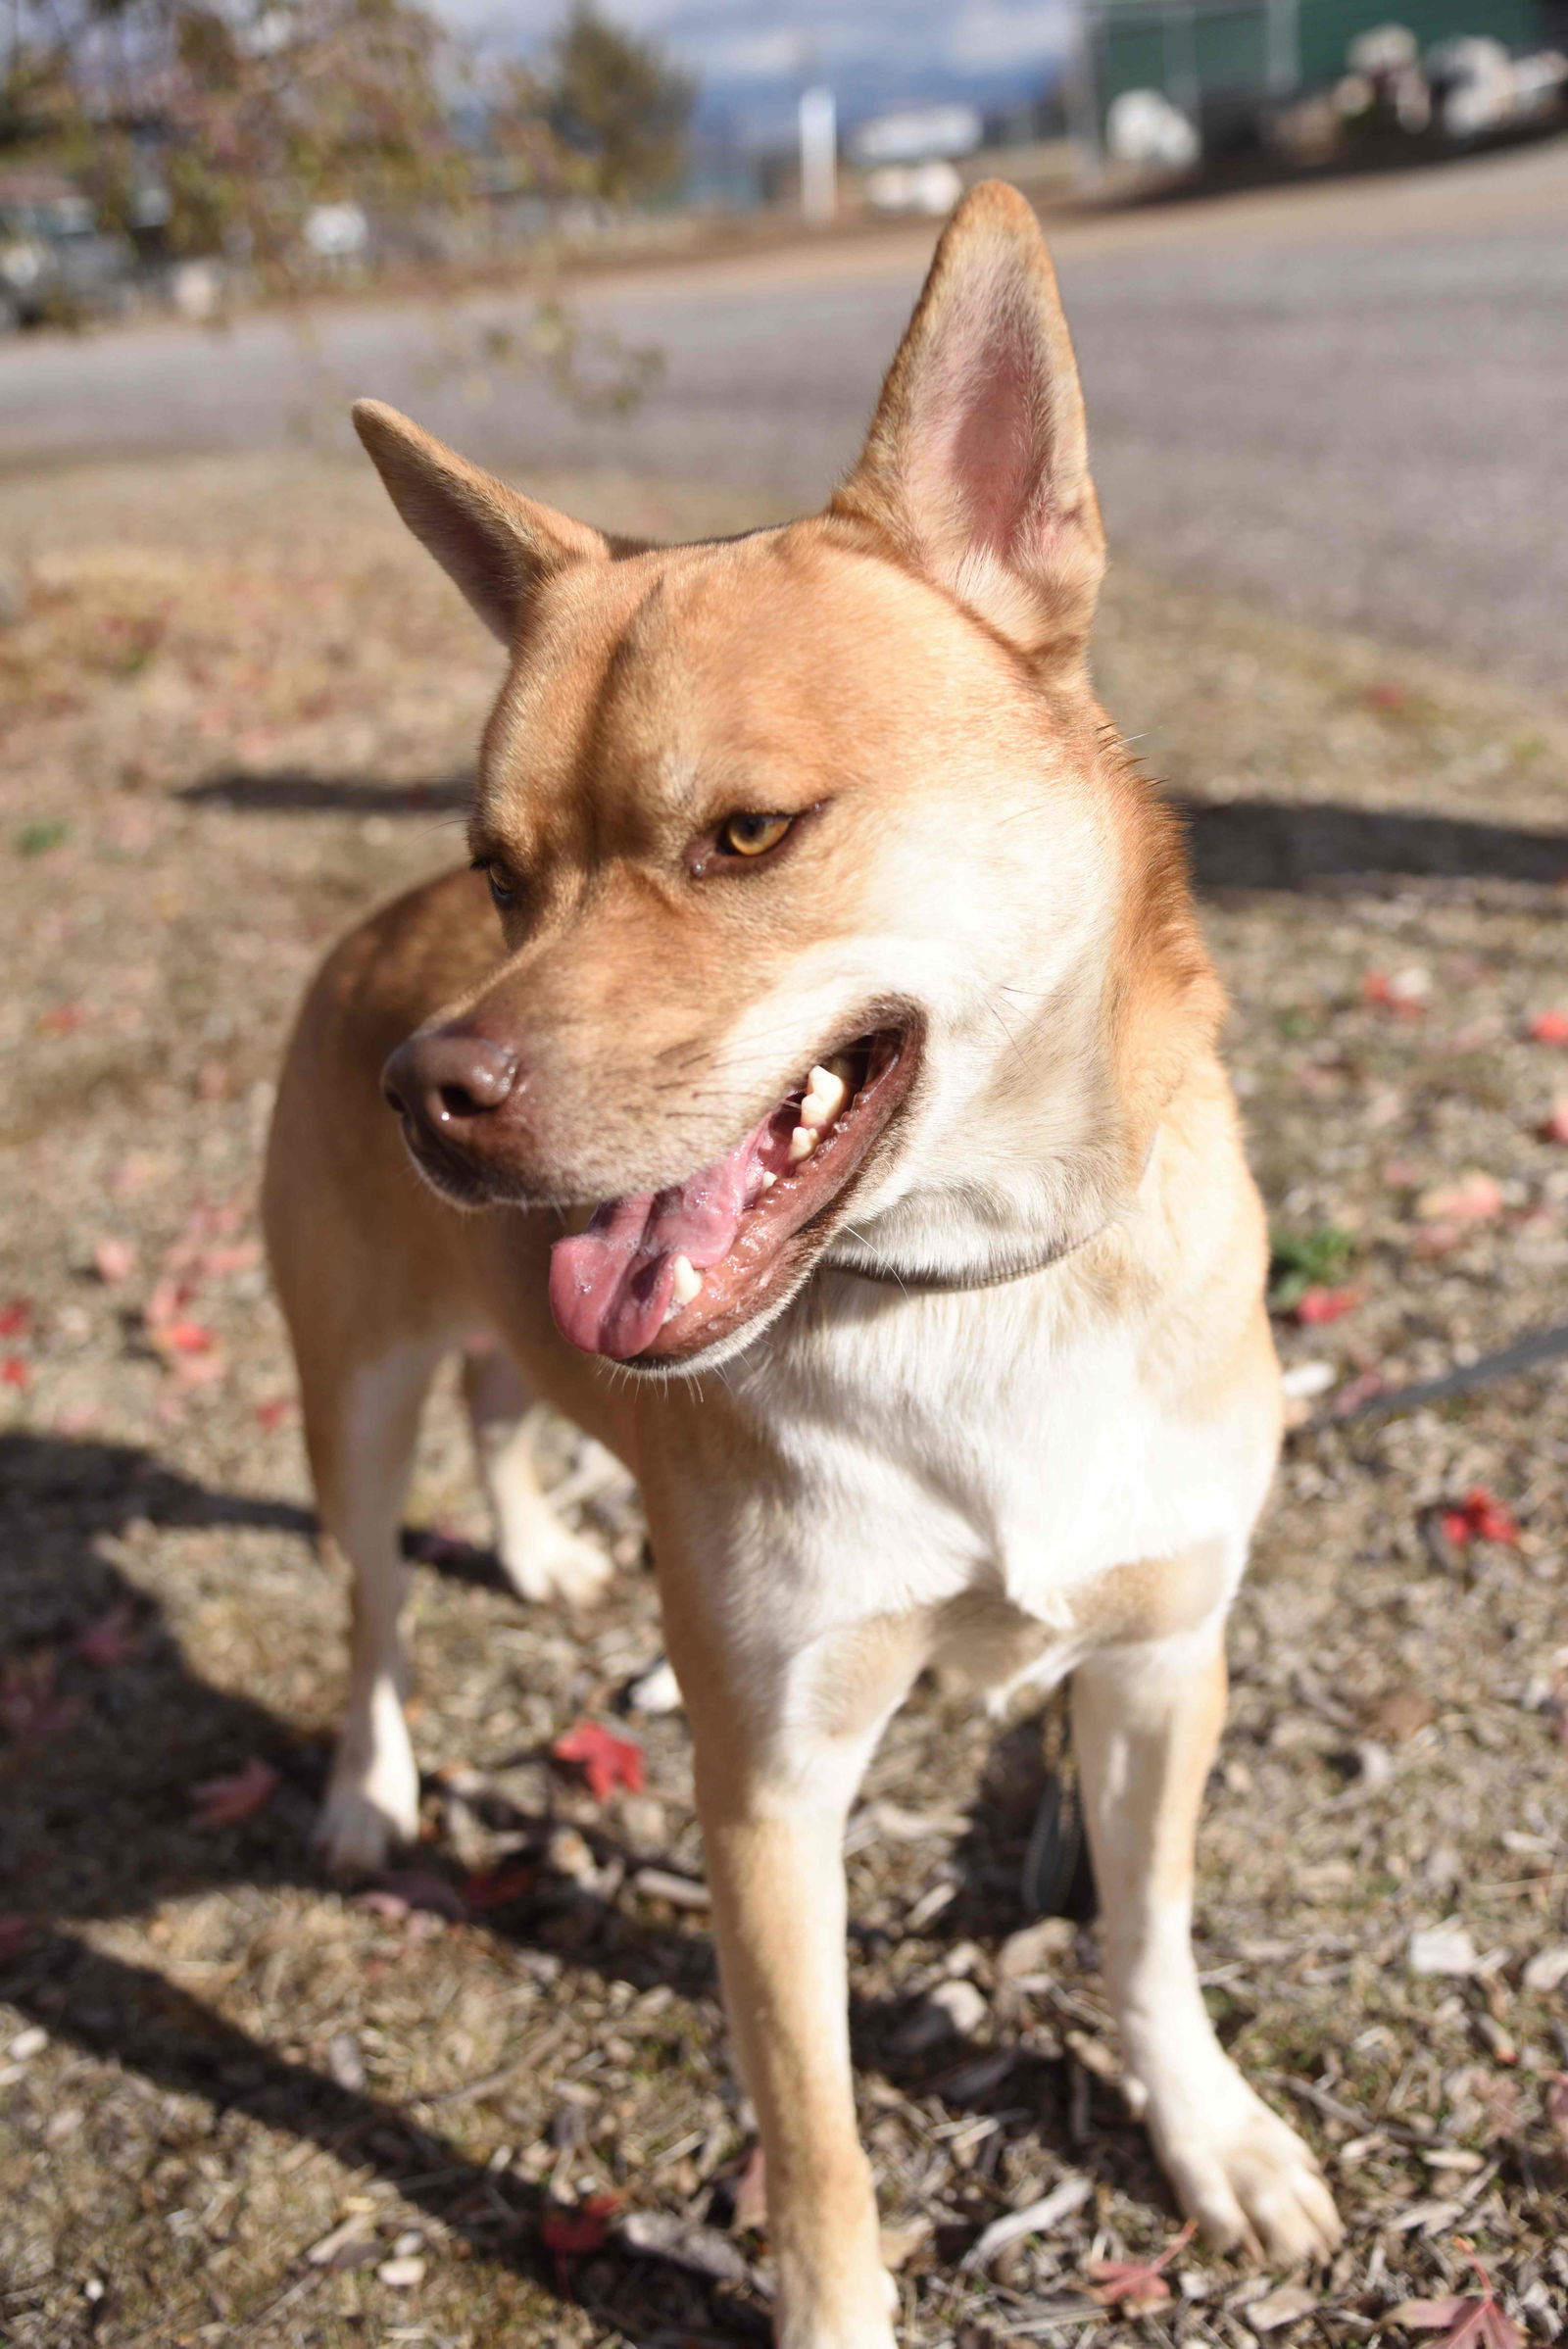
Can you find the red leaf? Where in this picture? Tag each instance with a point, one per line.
(1134, 2284)
(13, 1371)
(110, 1641)
(1474, 1199)
(1480, 1517)
(114, 1260)
(61, 1020)
(275, 1411)
(16, 1931)
(569, 2234)
(1548, 1027)
(1404, 993)
(1315, 1306)
(31, 1711)
(607, 1760)
(16, 1317)
(495, 1887)
(1474, 2320)
(182, 1337)
(229, 1801)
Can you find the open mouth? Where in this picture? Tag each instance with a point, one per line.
(660, 1275)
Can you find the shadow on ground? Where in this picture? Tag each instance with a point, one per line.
(100, 1826)
(1235, 843)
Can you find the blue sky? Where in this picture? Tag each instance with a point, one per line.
(883, 52)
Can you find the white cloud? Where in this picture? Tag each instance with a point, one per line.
(985, 36)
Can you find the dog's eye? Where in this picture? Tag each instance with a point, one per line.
(503, 884)
(752, 835)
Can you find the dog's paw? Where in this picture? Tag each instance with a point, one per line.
(551, 1563)
(365, 1816)
(1243, 2174)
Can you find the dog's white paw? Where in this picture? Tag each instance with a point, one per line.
(1242, 2172)
(548, 1562)
(366, 1815)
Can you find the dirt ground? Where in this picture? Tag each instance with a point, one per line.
(486, 2099)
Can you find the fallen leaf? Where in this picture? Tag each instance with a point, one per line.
(16, 1317)
(1404, 993)
(1548, 1027)
(1556, 2102)
(749, 2214)
(181, 1337)
(229, 1801)
(1399, 1713)
(31, 1710)
(497, 1887)
(607, 1761)
(275, 1411)
(108, 1641)
(1466, 2320)
(401, 1891)
(569, 2234)
(114, 1260)
(1317, 1304)
(1134, 2284)
(13, 1371)
(1480, 1517)
(1364, 1387)
(1474, 1199)
(16, 1931)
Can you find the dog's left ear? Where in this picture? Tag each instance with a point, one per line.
(976, 467)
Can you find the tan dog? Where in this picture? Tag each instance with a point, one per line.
(849, 974)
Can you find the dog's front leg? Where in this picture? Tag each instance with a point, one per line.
(1146, 1720)
(773, 1799)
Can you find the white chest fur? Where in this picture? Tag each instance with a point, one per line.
(1005, 1442)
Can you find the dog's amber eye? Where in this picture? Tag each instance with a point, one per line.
(752, 835)
(502, 885)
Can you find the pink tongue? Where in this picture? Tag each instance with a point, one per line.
(610, 1290)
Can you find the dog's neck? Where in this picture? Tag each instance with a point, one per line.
(1055, 1144)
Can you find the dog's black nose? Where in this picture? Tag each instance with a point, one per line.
(446, 1078)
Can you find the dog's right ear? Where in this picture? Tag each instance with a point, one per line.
(499, 547)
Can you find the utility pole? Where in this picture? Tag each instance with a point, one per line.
(819, 155)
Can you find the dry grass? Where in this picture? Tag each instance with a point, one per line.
(230, 710)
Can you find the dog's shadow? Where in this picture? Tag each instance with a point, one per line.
(96, 1822)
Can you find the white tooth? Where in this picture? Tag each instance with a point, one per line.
(768, 1180)
(802, 1142)
(825, 1095)
(688, 1280)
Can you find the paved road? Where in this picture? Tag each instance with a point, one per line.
(1352, 401)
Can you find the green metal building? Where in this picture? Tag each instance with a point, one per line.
(1224, 63)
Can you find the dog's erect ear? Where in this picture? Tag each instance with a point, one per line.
(976, 467)
(499, 547)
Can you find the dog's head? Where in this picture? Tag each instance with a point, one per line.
(827, 901)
